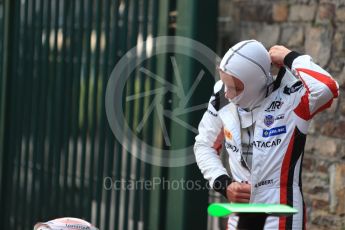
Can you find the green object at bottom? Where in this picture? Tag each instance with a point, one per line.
(225, 209)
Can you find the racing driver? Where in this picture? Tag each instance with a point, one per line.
(262, 121)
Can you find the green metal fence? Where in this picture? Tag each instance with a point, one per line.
(2, 82)
(56, 144)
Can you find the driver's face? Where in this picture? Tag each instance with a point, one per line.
(233, 86)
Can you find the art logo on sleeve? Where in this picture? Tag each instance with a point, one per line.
(274, 131)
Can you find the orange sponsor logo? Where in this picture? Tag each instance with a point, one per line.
(227, 134)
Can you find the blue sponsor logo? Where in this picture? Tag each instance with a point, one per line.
(269, 120)
(274, 131)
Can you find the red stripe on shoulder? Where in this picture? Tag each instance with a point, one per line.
(331, 84)
(302, 110)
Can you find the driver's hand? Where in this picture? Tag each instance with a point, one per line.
(238, 192)
(277, 54)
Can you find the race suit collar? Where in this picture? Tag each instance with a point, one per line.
(279, 78)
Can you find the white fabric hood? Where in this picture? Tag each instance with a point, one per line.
(250, 62)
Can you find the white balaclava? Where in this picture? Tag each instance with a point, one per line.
(250, 62)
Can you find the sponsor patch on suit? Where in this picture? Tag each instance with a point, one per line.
(269, 120)
(274, 131)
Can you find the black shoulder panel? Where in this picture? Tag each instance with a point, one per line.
(294, 88)
(218, 99)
